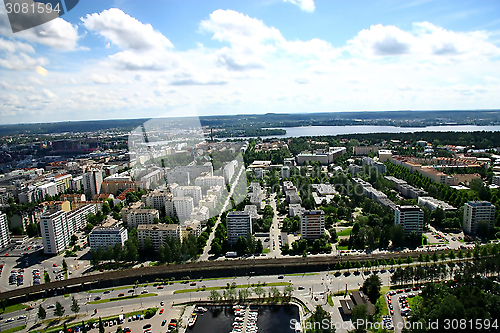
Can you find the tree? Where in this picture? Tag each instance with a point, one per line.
(259, 291)
(258, 246)
(483, 229)
(148, 246)
(75, 308)
(371, 288)
(84, 328)
(321, 316)
(42, 314)
(288, 291)
(101, 326)
(359, 313)
(215, 296)
(32, 230)
(64, 265)
(59, 310)
(241, 245)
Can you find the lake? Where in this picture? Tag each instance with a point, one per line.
(361, 129)
(271, 319)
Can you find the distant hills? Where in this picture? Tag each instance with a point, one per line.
(242, 124)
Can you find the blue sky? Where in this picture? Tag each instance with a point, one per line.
(128, 59)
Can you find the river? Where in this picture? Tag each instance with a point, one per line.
(338, 130)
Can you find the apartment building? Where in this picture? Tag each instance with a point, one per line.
(92, 182)
(188, 191)
(238, 224)
(77, 217)
(476, 211)
(411, 218)
(312, 224)
(158, 233)
(107, 236)
(209, 181)
(139, 216)
(156, 199)
(4, 231)
(183, 207)
(56, 231)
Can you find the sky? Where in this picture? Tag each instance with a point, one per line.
(141, 59)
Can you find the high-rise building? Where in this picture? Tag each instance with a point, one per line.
(56, 231)
(4, 231)
(209, 181)
(104, 236)
(285, 172)
(411, 218)
(188, 191)
(157, 233)
(183, 207)
(135, 217)
(92, 182)
(475, 212)
(156, 199)
(238, 224)
(312, 224)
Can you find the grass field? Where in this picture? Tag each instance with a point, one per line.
(122, 298)
(15, 329)
(276, 284)
(345, 232)
(345, 247)
(266, 250)
(12, 308)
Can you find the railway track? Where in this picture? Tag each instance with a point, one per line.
(210, 267)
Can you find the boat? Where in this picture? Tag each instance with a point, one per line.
(200, 309)
(192, 319)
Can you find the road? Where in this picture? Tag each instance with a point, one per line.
(205, 255)
(275, 232)
(317, 285)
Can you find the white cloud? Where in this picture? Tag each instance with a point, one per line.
(14, 46)
(305, 5)
(106, 79)
(425, 39)
(21, 61)
(125, 31)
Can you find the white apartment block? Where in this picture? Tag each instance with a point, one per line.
(209, 201)
(158, 233)
(104, 236)
(56, 232)
(229, 170)
(179, 177)
(192, 226)
(200, 213)
(4, 231)
(216, 191)
(238, 224)
(209, 181)
(188, 191)
(92, 181)
(135, 217)
(183, 207)
(312, 224)
(476, 211)
(77, 217)
(156, 199)
(411, 218)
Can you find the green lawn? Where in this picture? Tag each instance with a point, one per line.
(302, 274)
(12, 308)
(345, 232)
(122, 298)
(343, 247)
(276, 284)
(414, 302)
(330, 300)
(15, 329)
(266, 250)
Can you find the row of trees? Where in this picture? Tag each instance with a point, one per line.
(231, 295)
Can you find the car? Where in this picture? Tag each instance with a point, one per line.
(9, 320)
(131, 291)
(160, 287)
(54, 265)
(192, 284)
(121, 294)
(145, 291)
(21, 317)
(301, 288)
(50, 306)
(146, 326)
(97, 298)
(162, 303)
(163, 322)
(161, 311)
(29, 308)
(281, 277)
(106, 292)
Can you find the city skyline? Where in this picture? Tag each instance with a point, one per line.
(119, 60)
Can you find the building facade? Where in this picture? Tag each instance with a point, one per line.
(475, 212)
(411, 218)
(107, 236)
(238, 224)
(4, 231)
(312, 224)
